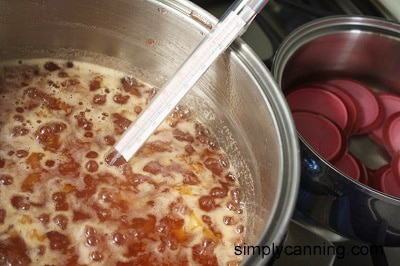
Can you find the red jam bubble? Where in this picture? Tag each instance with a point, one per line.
(114, 158)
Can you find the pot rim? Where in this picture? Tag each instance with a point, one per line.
(326, 26)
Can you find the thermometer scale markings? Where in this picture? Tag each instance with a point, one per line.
(183, 80)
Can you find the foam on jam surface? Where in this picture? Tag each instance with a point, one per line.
(176, 202)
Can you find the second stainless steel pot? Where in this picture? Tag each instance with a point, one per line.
(360, 48)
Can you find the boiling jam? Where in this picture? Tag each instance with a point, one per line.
(177, 202)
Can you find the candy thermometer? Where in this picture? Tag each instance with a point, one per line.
(232, 24)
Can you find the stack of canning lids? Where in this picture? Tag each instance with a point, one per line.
(330, 112)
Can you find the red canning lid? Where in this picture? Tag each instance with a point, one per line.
(321, 134)
(370, 177)
(349, 102)
(371, 114)
(375, 176)
(349, 165)
(319, 101)
(386, 183)
(391, 134)
(395, 165)
(391, 105)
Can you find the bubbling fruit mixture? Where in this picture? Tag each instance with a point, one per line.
(177, 202)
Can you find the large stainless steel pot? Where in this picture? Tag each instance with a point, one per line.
(237, 98)
(360, 48)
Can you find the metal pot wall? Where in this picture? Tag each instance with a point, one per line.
(360, 48)
(237, 98)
